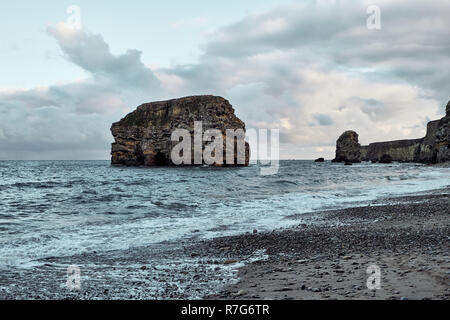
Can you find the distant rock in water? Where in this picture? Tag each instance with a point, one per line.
(144, 137)
(433, 148)
(348, 148)
(320, 160)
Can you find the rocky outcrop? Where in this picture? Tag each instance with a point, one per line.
(426, 151)
(433, 148)
(144, 137)
(364, 150)
(348, 148)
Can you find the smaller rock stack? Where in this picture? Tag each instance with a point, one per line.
(348, 148)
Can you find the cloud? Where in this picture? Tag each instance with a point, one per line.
(312, 69)
(323, 119)
(50, 121)
(334, 34)
(413, 37)
(92, 53)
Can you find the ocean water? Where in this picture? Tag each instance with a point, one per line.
(63, 208)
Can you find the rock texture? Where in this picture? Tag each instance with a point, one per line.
(143, 137)
(433, 148)
(348, 148)
(426, 150)
(400, 150)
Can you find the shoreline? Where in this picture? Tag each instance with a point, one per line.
(324, 257)
(407, 238)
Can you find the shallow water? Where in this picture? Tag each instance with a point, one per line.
(64, 208)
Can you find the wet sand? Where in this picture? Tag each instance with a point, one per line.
(407, 239)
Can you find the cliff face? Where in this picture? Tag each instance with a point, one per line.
(401, 150)
(442, 145)
(143, 137)
(426, 151)
(433, 148)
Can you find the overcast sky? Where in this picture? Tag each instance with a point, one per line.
(310, 68)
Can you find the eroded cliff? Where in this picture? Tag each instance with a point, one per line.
(433, 148)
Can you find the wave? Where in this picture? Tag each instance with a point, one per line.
(78, 208)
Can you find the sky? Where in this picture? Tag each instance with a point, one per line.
(310, 68)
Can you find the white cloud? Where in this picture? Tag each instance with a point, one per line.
(312, 69)
(72, 119)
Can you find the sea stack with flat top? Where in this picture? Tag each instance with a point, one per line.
(144, 137)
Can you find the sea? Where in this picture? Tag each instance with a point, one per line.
(51, 209)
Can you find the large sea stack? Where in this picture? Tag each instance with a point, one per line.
(143, 137)
(433, 148)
